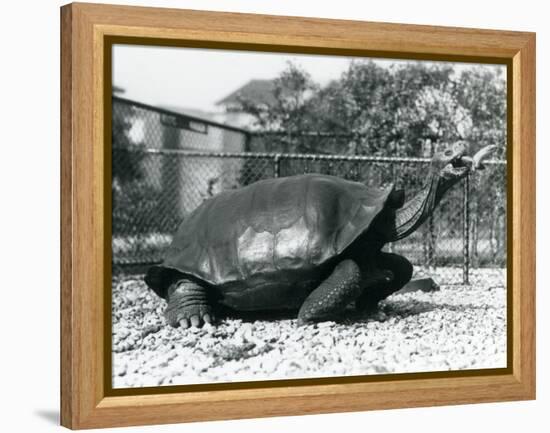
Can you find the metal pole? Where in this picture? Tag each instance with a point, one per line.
(431, 242)
(277, 165)
(247, 141)
(466, 232)
(394, 180)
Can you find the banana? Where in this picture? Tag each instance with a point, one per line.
(481, 155)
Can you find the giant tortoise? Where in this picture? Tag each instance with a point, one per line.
(309, 243)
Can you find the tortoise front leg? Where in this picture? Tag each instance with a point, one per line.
(187, 305)
(342, 287)
(402, 271)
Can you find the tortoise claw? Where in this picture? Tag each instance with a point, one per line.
(195, 321)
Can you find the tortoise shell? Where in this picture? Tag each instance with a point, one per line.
(265, 232)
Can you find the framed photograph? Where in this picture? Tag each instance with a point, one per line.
(269, 215)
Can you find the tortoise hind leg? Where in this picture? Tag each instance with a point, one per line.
(332, 296)
(188, 305)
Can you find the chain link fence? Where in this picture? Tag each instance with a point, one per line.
(165, 164)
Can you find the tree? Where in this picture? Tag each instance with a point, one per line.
(126, 162)
(482, 91)
(405, 109)
(290, 113)
(398, 110)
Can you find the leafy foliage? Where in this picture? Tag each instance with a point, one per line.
(406, 109)
(133, 196)
(126, 161)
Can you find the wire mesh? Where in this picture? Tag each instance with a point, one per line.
(166, 164)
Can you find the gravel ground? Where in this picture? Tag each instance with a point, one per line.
(458, 327)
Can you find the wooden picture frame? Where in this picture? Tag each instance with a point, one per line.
(87, 30)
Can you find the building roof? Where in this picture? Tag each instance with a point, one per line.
(187, 111)
(257, 91)
(118, 89)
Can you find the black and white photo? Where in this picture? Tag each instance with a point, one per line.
(291, 216)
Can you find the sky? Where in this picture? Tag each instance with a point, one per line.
(197, 78)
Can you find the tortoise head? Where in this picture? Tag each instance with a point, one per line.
(447, 168)
(452, 164)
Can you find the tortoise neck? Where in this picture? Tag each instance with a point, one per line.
(415, 211)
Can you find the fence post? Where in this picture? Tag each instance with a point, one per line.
(247, 141)
(394, 180)
(277, 165)
(466, 231)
